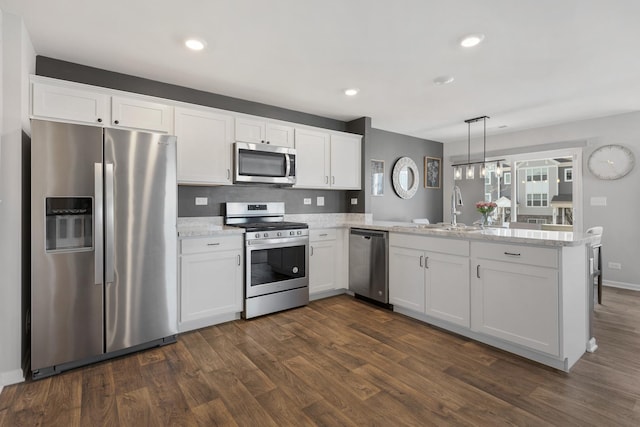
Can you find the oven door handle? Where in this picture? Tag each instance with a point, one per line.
(277, 243)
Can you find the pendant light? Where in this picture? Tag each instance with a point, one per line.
(483, 168)
(470, 168)
(470, 171)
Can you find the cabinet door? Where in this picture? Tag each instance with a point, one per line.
(204, 146)
(280, 135)
(250, 130)
(210, 284)
(447, 288)
(517, 303)
(140, 114)
(69, 104)
(345, 161)
(322, 273)
(312, 150)
(406, 278)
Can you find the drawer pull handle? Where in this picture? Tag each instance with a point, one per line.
(511, 254)
(213, 244)
(238, 259)
(311, 247)
(426, 262)
(421, 258)
(323, 235)
(478, 271)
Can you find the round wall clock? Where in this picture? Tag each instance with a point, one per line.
(611, 161)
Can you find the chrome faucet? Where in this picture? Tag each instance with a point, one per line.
(456, 200)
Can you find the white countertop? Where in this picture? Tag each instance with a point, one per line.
(209, 226)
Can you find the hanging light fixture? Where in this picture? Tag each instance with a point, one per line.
(470, 174)
(498, 170)
(483, 168)
(471, 170)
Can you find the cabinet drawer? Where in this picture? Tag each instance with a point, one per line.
(431, 244)
(211, 244)
(531, 255)
(322, 234)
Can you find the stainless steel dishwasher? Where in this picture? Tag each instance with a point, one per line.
(368, 261)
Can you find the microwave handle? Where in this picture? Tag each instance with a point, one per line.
(288, 167)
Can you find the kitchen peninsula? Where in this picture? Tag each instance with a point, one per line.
(524, 291)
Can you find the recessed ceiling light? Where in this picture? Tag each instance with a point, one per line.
(351, 92)
(195, 44)
(472, 40)
(443, 80)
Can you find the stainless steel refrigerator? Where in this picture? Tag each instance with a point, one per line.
(103, 244)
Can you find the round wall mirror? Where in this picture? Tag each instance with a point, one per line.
(405, 177)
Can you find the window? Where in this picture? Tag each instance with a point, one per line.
(568, 175)
(507, 178)
(537, 199)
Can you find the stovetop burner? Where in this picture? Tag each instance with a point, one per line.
(266, 226)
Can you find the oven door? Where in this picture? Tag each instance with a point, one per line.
(275, 265)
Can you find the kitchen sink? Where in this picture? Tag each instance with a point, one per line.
(449, 227)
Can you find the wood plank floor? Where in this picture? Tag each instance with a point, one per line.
(342, 362)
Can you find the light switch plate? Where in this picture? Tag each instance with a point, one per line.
(320, 201)
(598, 201)
(354, 201)
(202, 201)
(307, 200)
(614, 265)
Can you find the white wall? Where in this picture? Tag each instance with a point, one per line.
(17, 60)
(620, 218)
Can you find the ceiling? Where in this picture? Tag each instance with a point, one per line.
(542, 62)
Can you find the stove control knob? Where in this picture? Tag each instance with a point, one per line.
(257, 235)
(266, 235)
(279, 234)
(291, 233)
(299, 233)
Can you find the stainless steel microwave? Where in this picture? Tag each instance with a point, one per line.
(264, 164)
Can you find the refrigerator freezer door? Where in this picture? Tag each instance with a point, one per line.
(141, 196)
(66, 302)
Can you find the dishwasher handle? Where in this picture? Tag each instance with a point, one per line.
(368, 234)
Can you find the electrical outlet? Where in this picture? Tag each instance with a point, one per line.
(202, 201)
(354, 201)
(307, 200)
(615, 265)
(320, 201)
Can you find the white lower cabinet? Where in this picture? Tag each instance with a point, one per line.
(513, 300)
(211, 281)
(430, 282)
(327, 270)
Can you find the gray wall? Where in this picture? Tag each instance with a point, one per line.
(389, 146)
(564, 187)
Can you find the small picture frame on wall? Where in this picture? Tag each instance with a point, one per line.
(377, 177)
(432, 172)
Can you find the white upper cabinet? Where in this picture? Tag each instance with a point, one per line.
(204, 145)
(141, 114)
(345, 161)
(313, 158)
(327, 160)
(50, 101)
(257, 131)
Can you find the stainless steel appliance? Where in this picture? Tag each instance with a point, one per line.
(103, 244)
(277, 256)
(368, 260)
(264, 163)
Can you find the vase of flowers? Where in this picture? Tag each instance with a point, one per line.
(485, 208)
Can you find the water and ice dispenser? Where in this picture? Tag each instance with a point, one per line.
(69, 223)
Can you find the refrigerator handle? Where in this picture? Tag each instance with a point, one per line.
(109, 224)
(98, 232)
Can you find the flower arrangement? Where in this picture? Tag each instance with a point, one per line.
(485, 208)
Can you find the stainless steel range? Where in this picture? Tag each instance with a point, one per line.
(276, 257)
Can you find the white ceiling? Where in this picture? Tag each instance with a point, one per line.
(542, 62)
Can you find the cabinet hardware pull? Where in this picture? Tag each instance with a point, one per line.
(511, 254)
(478, 271)
(99, 120)
(213, 244)
(116, 122)
(323, 234)
(326, 179)
(228, 173)
(311, 247)
(421, 258)
(333, 179)
(238, 259)
(426, 262)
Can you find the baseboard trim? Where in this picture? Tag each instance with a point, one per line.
(10, 377)
(622, 285)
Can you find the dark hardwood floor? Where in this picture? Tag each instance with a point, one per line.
(342, 362)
